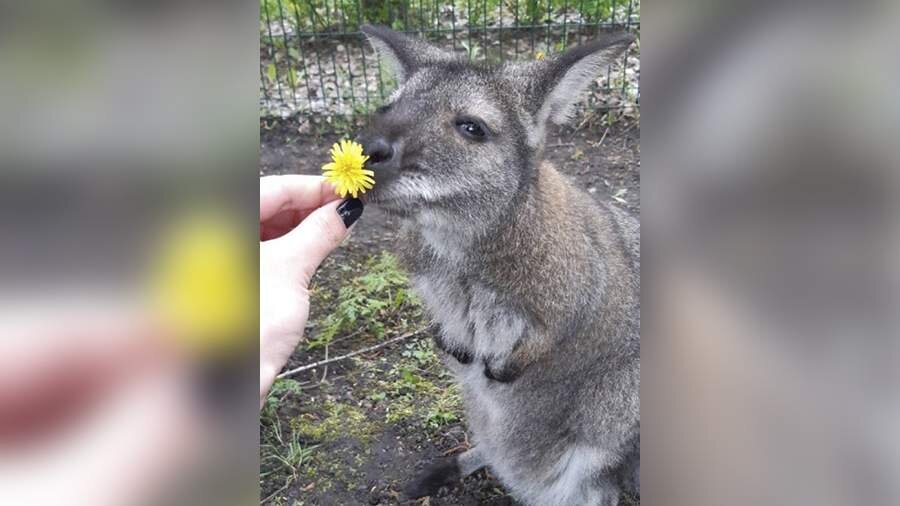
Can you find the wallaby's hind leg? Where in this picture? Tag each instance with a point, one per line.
(444, 472)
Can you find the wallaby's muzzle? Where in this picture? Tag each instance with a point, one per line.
(379, 150)
(384, 157)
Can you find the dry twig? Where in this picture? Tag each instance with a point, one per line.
(351, 354)
(325, 372)
(273, 494)
(603, 137)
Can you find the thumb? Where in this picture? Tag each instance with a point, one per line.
(322, 231)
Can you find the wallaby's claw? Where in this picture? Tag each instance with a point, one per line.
(439, 474)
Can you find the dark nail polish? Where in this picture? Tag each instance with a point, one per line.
(350, 211)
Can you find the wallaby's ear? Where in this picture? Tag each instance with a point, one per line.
(403, 54)
(561, 80)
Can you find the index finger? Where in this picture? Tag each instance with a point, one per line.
(292, 192)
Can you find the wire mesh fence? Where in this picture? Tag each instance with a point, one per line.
(314, 59)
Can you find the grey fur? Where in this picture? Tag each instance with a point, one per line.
(535, 286)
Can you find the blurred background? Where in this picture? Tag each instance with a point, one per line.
(770, 253)
(128, 300)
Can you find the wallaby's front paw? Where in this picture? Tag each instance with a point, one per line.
(462, 356)
(442, 473)
(506, 372)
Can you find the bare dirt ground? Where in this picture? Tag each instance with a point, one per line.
(358, 431)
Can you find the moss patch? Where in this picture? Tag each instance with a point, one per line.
(418, 390)
(335, 420)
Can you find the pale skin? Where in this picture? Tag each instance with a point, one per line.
(94, 407)
(298, 227)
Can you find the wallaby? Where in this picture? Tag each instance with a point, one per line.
(533, 285)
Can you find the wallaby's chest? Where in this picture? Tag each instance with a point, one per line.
(474, 317)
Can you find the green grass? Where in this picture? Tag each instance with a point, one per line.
(284, 458)
(418, 390)
(281, 389)
(366, 302)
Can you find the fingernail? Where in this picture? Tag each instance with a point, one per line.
(350, 211)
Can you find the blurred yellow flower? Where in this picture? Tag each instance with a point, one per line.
(539, 55)
(200, 284)
(346, 171)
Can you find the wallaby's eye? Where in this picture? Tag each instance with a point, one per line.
(471, 129)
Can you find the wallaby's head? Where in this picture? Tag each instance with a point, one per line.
(465, 138)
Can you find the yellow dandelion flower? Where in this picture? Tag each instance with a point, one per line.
(198, 282)
(346, 171)
(539, 55)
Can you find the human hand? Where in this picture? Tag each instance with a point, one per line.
(300, 223)
(94, 408)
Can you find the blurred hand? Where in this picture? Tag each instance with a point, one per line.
(300, 223)
(93, 409)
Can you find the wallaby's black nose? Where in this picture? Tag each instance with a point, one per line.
(379, 150)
